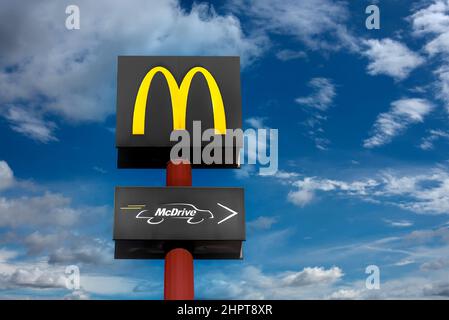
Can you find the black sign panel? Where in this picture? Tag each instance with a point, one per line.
(157, 95)
(210, 222)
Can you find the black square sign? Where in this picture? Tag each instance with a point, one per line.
(158, 95)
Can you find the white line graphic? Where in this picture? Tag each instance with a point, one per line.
(228, 217)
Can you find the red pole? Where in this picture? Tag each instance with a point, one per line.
(178, 276)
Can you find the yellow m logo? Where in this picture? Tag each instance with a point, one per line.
(179, 95)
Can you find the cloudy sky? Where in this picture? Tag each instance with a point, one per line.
(363, 146)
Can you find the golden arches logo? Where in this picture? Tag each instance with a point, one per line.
(179, 95)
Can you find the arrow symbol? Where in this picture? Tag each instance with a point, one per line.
(233, 213)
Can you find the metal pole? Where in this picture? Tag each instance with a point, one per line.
(178, 276)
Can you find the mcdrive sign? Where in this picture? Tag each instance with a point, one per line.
(149, 221)
(159, 95)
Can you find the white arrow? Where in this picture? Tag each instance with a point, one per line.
(228, 217)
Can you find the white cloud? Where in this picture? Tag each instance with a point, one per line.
(427, 143)
(44, 231)
(30, 124)
(252, 283)
(6, 175)
(245, 171)
(321, 143)
(432, 19)
(34, 278)
(402, 114)
(407, 287)
(391, 58)
(437, 290)
(39, 275)
(35, 275)
(95, 253)
(404, 262)
(262, 223)
(438, 45)
(388, 253)
(425, 247)
(307, 187)
(418, 192)
(108, 285)
(77, 295)
(65, 248)
(100, 170)
(429, 235)
(256, 122)
(36, 270)
(317, 103)
(432, 22)
(443, 85)
(315, 275)
(319, 24)
(7, 255)
(345, 294)
(49, 209)
(428, 192)
(286, 55)
(38, 207)
(323, 94)
(438, 264)
(301, 196)
(37, 242)
(50, 70)
(398, 223)
(281, 175)
(320, 283)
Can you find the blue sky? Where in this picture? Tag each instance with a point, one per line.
(363, 138)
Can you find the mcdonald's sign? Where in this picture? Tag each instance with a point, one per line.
(159, 95)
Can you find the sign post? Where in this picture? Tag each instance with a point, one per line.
(178, 275)
(178, 271)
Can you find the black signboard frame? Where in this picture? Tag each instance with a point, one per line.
(152, 149)
(149, 221)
